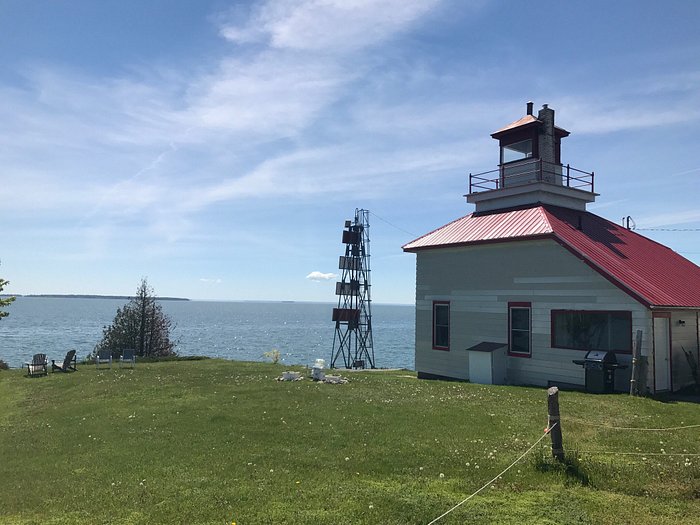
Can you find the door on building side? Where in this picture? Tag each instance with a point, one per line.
(662, 352)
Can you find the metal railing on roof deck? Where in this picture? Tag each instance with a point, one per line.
(528, 171)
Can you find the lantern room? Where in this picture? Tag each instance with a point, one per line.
(530, 168)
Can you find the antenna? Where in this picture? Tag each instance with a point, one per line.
(352, 343)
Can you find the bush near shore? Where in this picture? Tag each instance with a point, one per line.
(216, 441)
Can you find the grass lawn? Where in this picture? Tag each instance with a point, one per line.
(219, 441)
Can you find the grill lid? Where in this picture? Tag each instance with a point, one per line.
(601, 356)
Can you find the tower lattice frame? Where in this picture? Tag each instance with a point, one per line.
(352, 343)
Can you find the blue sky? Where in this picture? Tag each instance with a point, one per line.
(217, 147)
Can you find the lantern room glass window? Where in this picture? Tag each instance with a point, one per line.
(516, 151)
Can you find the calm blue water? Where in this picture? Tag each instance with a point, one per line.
(302, 332)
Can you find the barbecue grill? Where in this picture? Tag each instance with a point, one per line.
(600, 366)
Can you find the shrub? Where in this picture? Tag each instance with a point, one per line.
(273, 355)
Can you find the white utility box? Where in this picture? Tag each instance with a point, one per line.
(487, 363)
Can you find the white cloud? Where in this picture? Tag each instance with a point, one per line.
(327, 25)
(271, 95)
(152, 149)
(118, 147)
(655, 101)
(319, 276)
(670, 219)
(208, 280)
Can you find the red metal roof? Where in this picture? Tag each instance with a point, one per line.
(527, 119)
(650, 272)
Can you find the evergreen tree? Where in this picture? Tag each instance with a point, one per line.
(4, 301)
(140, 324)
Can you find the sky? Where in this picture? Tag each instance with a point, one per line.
(217, 147)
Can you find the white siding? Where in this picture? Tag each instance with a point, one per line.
(480, 281)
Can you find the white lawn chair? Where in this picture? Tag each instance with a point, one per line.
(128, 356)
(103, 357)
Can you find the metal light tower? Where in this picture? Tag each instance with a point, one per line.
(352, 343)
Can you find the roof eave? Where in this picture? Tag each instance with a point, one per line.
(508, 130)
(477, 243)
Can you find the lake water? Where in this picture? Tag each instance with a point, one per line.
(302, 332)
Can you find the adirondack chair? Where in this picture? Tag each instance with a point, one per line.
(38, 366)
(128, 356)
(103, 357)
(69, 363)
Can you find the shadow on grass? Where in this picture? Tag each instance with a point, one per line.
(570, 468)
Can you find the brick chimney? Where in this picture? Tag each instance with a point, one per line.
(547, 141)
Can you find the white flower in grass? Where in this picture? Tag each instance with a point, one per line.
(441, 475)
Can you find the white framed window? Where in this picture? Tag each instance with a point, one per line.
(441, 325)
(520, 329)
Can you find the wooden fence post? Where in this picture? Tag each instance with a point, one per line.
(635, 383)
(554, 423)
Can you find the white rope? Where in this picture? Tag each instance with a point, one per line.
(498, 476)
(636, 453)
(579, 422)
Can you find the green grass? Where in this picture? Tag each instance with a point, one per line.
(216, 441)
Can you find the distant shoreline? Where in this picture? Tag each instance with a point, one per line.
(77, 296)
